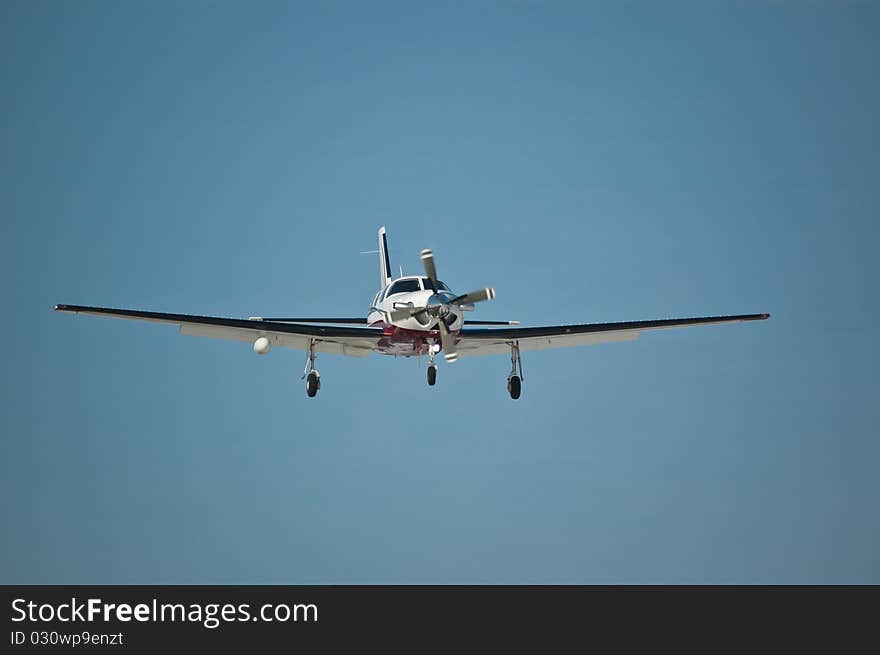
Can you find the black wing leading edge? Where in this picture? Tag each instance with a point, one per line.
(272, 325)
(353, 341)
(359, 341)
(592, 328)
(488, 341)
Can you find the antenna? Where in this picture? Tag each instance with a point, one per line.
(401, 270)
(369, 252)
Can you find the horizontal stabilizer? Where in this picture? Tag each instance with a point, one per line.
(491, 322)
(337, 321)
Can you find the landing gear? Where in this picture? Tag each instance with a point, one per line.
(514, 386)
(313, 383)
(311, 375)
(432, 368)
(515, 378)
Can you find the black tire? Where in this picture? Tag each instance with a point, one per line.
(313, 383)
(514, 386)
(432, 375)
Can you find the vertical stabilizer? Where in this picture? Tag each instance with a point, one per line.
(384, 262)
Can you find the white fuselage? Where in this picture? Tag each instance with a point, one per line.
(416, 293)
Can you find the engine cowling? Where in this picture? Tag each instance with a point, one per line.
(262, 346)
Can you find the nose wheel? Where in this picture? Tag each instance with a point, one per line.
(515, 378)
(432, 367)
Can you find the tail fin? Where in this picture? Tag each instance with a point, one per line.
(384, 262)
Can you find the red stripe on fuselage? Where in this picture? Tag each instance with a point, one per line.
(404, 342)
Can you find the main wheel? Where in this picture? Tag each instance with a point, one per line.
(313, 383)
(432, 375)
(514, 386)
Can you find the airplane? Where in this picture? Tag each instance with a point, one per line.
(410, 316)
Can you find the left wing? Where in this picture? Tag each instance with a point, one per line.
(496, 341)
(353, 341)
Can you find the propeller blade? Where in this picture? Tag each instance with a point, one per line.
(447, 341)
(474, 296)
(421, 314)
(401, 313)
(430, 269)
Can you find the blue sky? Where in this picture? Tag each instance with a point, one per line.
(592, 162)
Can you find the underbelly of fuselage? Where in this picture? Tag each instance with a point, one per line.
(402, 342)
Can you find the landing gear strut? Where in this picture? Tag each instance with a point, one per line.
(432, 368)
(514, 381)
(310, 373)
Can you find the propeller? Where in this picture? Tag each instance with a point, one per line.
(474, 296)
(401, 313)
(430, 270)
(438, 307)
(447, 341)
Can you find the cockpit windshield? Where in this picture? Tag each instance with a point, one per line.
(440, 285)
(404, 286)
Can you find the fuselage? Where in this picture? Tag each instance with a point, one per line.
(412, 336)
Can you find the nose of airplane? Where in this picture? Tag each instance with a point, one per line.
(440, 298)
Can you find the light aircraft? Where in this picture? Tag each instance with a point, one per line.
(410, 316)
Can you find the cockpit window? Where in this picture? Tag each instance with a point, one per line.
(440, 285)
(404, 286)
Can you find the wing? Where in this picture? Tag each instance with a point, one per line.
(354, 341)
(340, 321)
(470, 322)
(476, 341)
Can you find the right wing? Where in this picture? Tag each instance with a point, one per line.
(353, 341)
